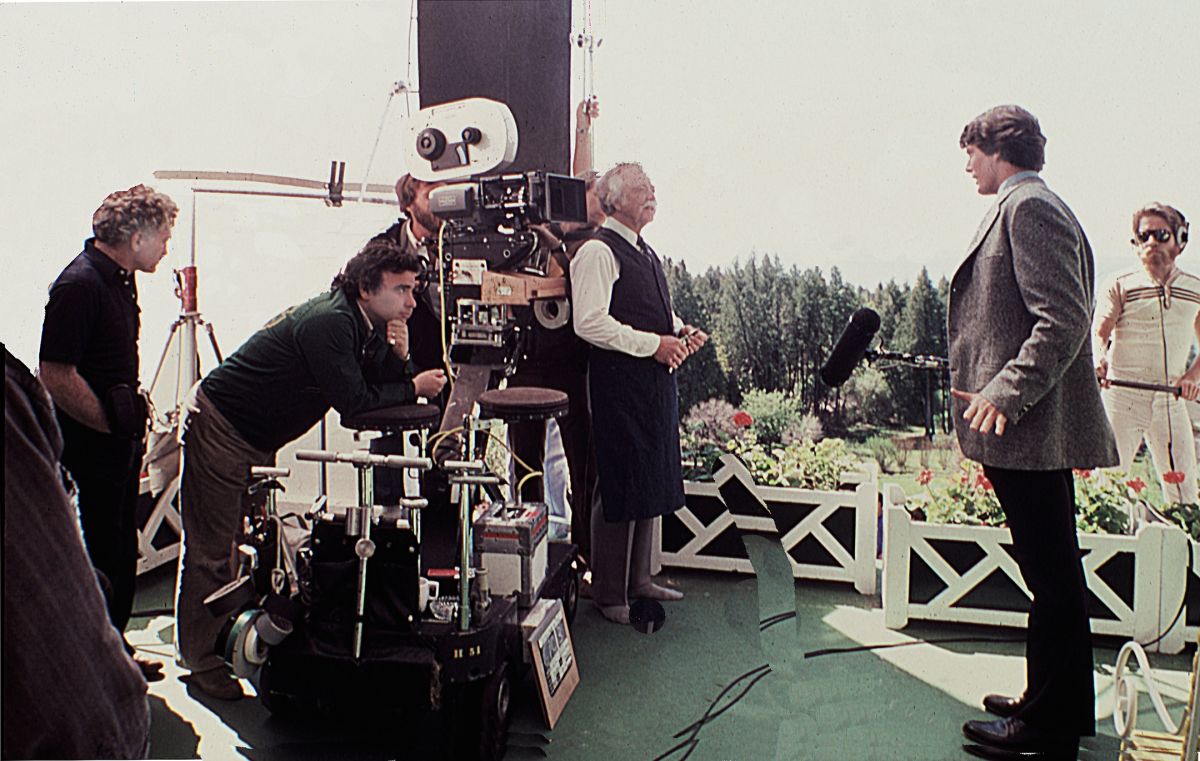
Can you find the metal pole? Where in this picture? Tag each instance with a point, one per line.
(364, 548)
(464, 554)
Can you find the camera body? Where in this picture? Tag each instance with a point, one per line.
(491, 263)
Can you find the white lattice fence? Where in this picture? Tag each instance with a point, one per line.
(828, 535)
(967, 574)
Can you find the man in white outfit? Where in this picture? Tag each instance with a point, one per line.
(1146, 323)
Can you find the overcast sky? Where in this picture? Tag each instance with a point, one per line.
(825, 133)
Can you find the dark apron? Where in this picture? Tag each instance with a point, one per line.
(635, 419)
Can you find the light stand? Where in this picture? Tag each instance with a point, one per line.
(926, 362)
(162, 444)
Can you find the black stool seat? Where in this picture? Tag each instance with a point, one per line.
(406, 417)
(522, 403)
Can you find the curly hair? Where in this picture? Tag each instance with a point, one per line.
(364, 272)
(1172, 216)
(612, 185)
(125, 212)
(1012, 131)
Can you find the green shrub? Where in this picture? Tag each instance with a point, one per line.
(883, 450)
(1105, 500)
(773, 413)
(1186, 516)
(705, 434)
(805, 464)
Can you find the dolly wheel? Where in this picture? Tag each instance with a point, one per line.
(280, 705)
(570, 596)
(494, 715)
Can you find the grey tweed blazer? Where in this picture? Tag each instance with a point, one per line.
(1019, 319)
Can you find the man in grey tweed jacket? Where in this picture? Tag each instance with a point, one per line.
(1022, 373)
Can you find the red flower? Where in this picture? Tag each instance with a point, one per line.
(1136, 484)
(1082, 473)
(742, 419)
(924, 477)
(1173, 476)
(982, 482)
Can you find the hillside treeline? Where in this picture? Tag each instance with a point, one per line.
(773, 326)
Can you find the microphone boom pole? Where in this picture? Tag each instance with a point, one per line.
(1176, 390)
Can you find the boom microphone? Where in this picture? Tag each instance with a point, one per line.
(851, 347)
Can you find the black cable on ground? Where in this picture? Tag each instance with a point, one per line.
(866, 648)
(778, 618)
(694, 728)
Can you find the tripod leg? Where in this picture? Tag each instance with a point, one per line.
(166, 348)
(212, 338)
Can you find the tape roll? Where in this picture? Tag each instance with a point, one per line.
(552, 313)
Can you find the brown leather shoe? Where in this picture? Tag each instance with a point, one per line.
(1004, 737)
(219, 683)
(1002, 705)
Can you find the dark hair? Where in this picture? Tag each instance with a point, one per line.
(1172, 216)
(407, 188)
(365, 271)
(1012, 131)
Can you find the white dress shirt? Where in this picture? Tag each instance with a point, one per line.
(594, 270)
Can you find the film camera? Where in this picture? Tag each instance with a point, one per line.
(491, 265)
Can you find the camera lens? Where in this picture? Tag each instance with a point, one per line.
(431, 143)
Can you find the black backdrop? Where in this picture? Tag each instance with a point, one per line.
(518, 53)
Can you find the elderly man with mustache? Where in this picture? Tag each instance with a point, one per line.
(623, 309)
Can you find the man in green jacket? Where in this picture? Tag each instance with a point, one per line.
(347, 349)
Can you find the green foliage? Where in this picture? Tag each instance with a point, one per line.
(694, 300)
(771, 328)
(920, 330)
(968, 499)
(805, 464)
(1104, 502)
(883, 450)
(868, 398)
(705, 435)
(1186, 516)
(774, 413)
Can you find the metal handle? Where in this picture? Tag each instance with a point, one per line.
(269, 472)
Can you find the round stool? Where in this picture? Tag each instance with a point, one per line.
(523, 403)
(405, 417)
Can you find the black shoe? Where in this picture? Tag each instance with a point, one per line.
(1000, 754)
(1002, 705)
(1014, 735)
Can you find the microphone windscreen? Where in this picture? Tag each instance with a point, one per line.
(851, 347)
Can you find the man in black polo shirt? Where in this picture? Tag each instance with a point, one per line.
(348, 349)
(89, 364)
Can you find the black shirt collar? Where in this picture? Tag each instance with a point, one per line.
(108, 269)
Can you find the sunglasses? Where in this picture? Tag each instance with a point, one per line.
(1162, 236)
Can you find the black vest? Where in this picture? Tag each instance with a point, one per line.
(639, 297)
(635, 406)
